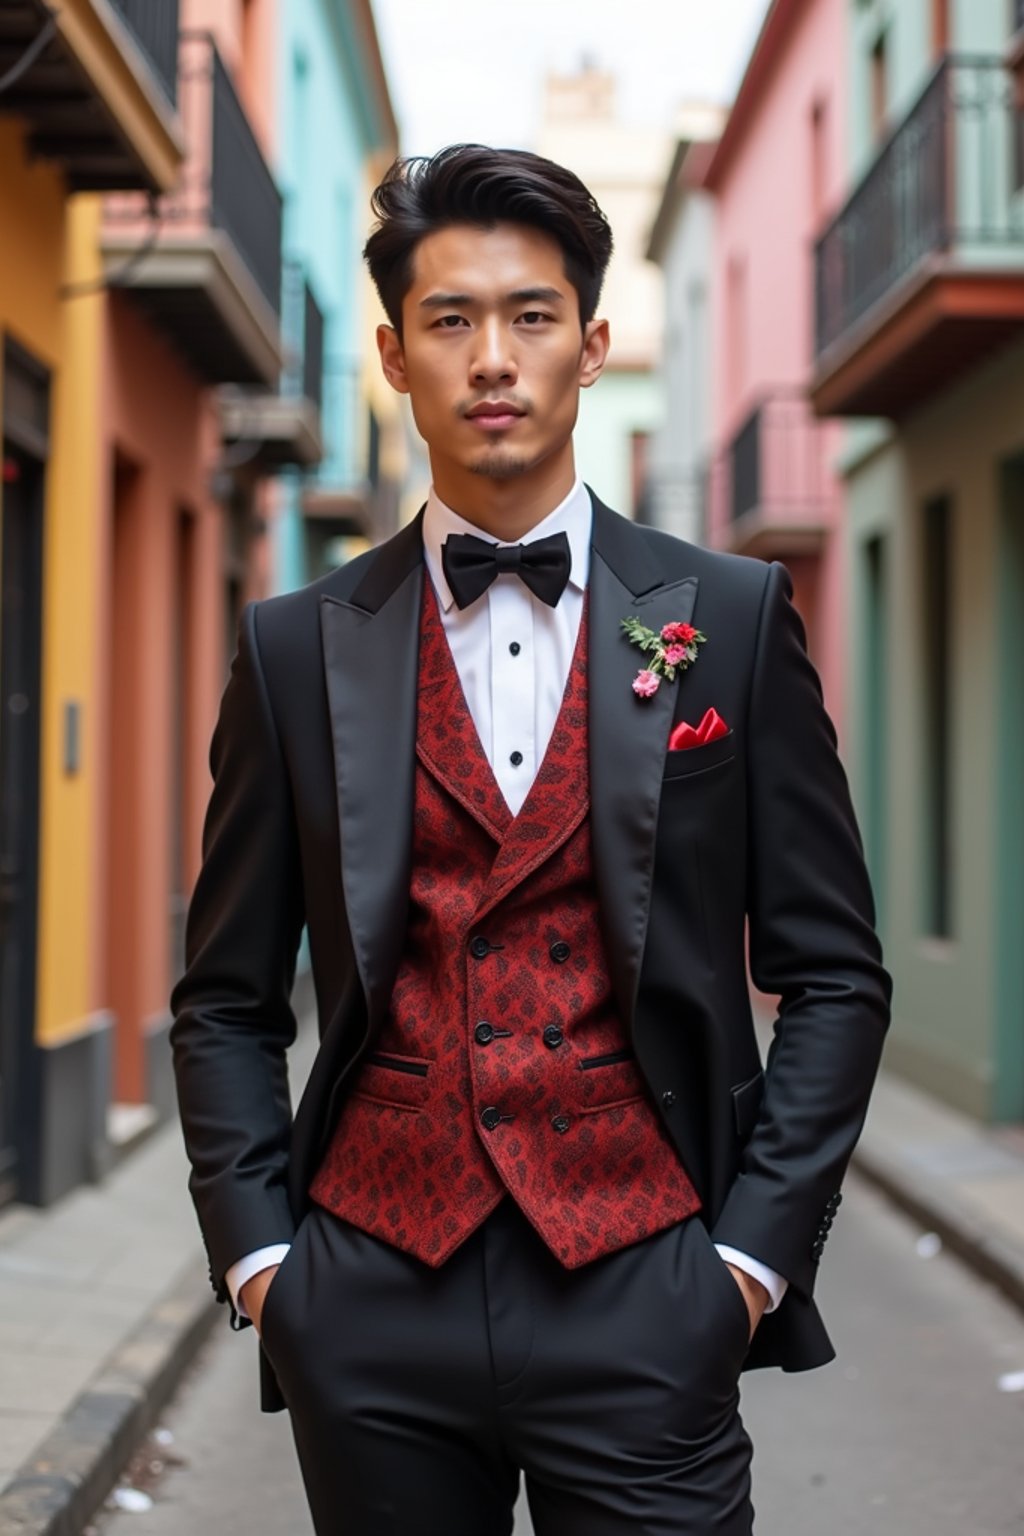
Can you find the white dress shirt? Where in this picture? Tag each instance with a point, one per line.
(512, 653)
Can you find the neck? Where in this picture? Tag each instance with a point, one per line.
(506, 509)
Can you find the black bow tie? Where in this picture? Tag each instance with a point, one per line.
(471, 564)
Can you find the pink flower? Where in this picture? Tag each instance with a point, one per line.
(678, 634)
(674, 654)
(646, 683)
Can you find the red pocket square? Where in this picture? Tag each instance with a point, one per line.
(685, 735)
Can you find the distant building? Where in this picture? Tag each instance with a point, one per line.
(918, 340)
(682, 244)
(623, 166)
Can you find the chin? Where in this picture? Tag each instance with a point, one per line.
(502, 464)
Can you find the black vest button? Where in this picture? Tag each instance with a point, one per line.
(668, 1098)
(559, 951)
(479, 948)
(552, 1036)
(560, 1122)
(484, 1033)
(491, 1117)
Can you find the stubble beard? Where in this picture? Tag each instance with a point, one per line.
(499, 464)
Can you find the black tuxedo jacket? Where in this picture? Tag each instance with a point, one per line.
(310, 820)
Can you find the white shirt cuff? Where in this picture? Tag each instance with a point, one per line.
(244, 1269)
(774, 1284)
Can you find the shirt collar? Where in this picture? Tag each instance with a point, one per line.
(573, 517)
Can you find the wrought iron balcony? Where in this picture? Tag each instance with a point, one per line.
(94, 85)
(348, 495)
(210, 270)
(154, 24)
(922, 272)
(770, 491)
(282, 427)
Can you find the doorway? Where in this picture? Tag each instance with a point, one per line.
(25, 448)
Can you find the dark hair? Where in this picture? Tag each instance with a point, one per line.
(473, 184)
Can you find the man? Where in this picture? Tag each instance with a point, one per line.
(525, 771)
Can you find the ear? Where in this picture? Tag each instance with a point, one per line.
(392, 358)
(594, 353)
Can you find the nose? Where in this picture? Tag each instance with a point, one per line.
(493, 361)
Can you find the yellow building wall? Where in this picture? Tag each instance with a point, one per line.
(34, 203)
(71, 862)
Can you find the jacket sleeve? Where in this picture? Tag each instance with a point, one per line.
(813, 942)
(233, 1020)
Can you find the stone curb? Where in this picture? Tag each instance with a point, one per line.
(990, 1254)
(62, 1485)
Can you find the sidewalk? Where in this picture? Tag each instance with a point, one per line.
(104, 1299)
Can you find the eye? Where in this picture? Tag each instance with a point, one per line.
(443, 322)
(535, 314)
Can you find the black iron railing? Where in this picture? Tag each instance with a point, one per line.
(947, 179)
(244, 199)
(313, 350)
(302, 324)
(154, 24)
(776, 462)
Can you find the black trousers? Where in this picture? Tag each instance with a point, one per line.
(417, 1395)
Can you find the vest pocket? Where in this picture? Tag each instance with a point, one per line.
(613, 1078)
(398, 1081)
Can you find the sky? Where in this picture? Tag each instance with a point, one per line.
(474, 69)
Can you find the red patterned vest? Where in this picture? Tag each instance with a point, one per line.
(503, 1065)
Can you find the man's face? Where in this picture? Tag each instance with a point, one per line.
(492, 354)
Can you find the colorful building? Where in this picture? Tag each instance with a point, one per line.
(334, 135)
(778, 169)
(88, 105)
(919, 339)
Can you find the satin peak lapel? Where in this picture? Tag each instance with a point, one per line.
(371, 657)
(628, 737)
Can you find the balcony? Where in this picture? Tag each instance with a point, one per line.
(282, 428)
(93, 82)
(349, 496)
(770, 492)
(208, 266)
(921, 275)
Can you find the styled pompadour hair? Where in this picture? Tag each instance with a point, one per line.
(473, 184)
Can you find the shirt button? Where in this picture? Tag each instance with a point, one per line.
(484, 1033)
(491, 1117)
(560, 1123)
(515, 758)
(479, 948)
(552, 1036)
(515, 648)
(559, 951)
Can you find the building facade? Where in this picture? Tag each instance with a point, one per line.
(778, 169)
(88, 105)
(919, 341)
(335, 134)
(682, 243)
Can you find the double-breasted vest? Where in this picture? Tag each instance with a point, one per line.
(502, 1067)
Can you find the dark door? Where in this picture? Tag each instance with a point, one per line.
(21, 562)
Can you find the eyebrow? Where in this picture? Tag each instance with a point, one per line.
(518, 296)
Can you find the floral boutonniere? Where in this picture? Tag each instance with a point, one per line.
(672, 650)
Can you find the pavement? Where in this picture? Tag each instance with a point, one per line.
(104, 1298)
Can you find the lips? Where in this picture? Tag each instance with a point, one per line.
(495, 413)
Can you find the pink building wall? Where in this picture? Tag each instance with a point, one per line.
(778, 174)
